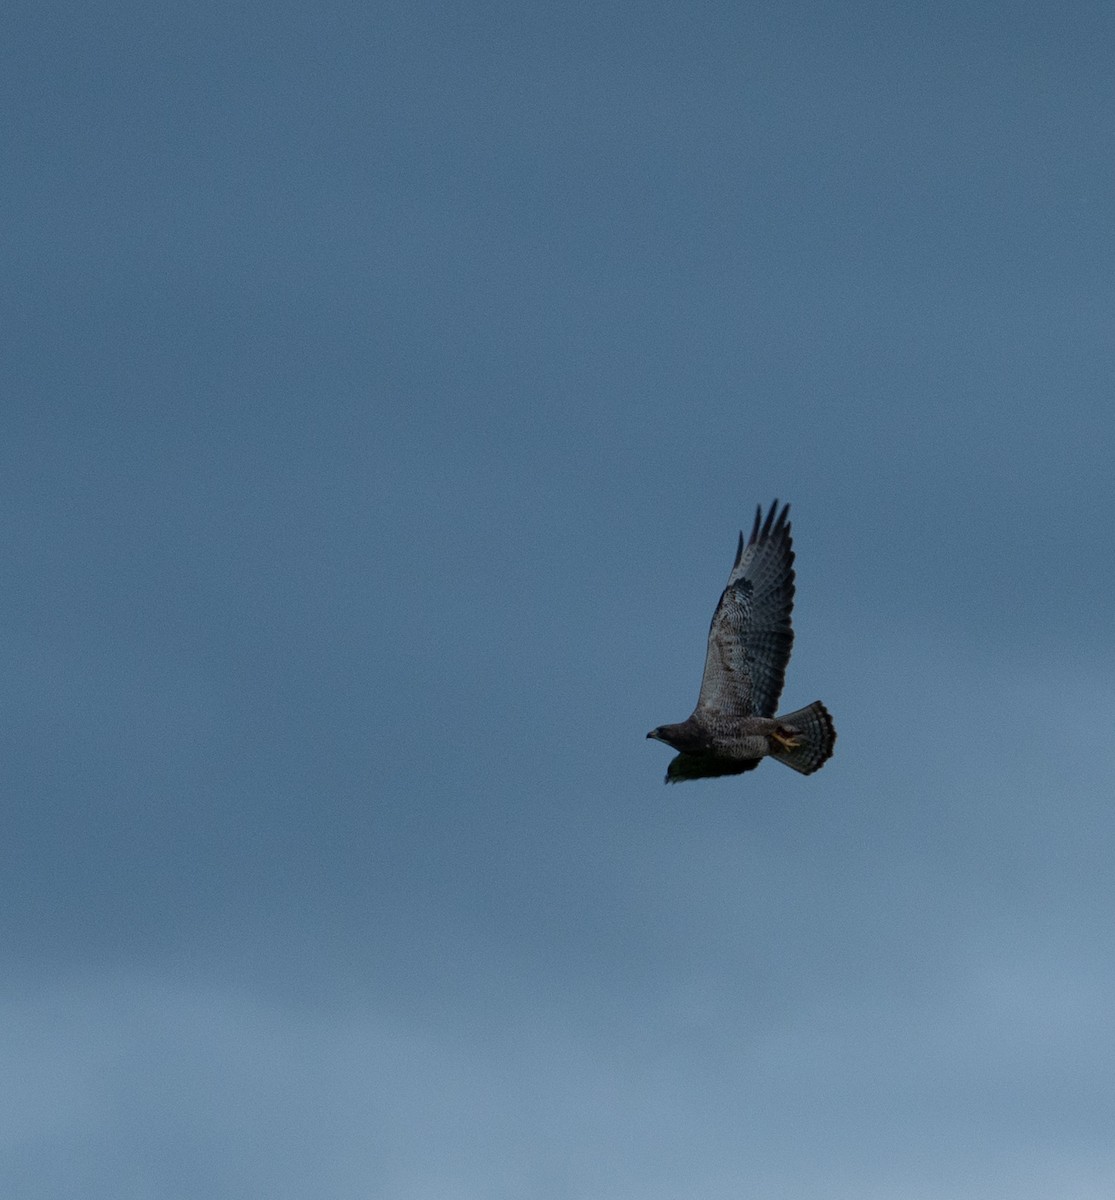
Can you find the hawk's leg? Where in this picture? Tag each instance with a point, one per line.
(785, 738)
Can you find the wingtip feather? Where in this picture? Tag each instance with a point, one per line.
(776, 521)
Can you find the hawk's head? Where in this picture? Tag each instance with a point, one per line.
(688, 736)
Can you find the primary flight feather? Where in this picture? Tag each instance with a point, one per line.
(734, 725)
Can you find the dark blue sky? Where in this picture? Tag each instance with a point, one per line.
(384, 388)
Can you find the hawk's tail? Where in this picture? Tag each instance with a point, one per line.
(813, 729)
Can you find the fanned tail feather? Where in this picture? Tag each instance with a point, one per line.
(816, 734)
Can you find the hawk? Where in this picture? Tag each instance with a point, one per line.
(733, 726)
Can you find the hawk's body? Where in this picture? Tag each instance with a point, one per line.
(733, 726)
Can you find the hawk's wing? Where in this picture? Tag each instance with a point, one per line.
(750, 638)
(706, 766)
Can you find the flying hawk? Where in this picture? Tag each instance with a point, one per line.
(749, 642)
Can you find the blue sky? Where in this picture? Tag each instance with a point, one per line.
(384, 388)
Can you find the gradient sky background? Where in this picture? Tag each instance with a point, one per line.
(383, 389)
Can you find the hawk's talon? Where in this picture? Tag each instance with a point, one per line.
(786, 740)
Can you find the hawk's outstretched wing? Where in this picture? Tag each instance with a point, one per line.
(750, 638)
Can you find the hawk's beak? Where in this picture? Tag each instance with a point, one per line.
(652, 734)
